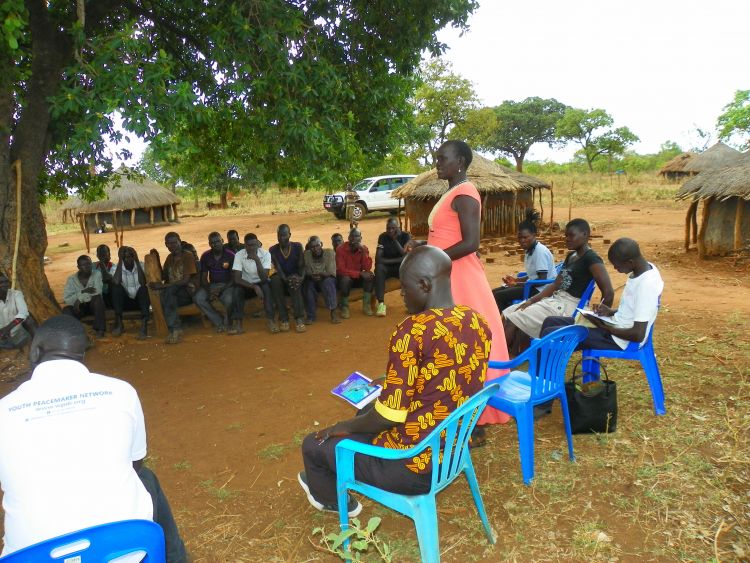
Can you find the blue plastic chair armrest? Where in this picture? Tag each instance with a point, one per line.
(532, 283)
(380, 452)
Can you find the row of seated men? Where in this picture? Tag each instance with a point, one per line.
(231, 273)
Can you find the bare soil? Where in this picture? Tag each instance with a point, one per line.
(225, 416)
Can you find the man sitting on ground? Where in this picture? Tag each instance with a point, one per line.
(538, 263)
(72, 445)
(107, 269)
(16, 325)
(437, 359)
(129, 291)
(216, 282)
(83, 294)
(388, 257)
(251, 269)
(639, 303)
(320, 276)
(354, 269)
(233, 241)
(178, 278)
(288, 262)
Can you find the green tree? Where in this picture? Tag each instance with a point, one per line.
(735, 119)
(520, 125)
(442, 101)
(592, 130)
(310, 80)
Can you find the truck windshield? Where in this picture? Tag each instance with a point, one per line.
(362, 185)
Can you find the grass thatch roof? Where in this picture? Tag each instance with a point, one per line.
(130, 194)
(718, 156)
(486, 175)
(677, 164)
(527, 182)
(733, 181)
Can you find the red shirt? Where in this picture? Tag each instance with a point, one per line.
(350, 263)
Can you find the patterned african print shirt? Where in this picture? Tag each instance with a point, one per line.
(437, 361)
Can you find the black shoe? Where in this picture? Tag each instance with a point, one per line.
(354, 506)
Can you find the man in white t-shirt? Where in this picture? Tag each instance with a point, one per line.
(639, 303)
(71, 448)
(251, 269)
(16, 324)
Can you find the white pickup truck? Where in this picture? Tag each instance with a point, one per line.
(373, 194)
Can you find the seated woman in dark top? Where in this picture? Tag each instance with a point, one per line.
(561, 297)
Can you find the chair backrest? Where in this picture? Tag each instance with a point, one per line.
(635, 346)
(586, 296)
(128, 540)
(548, 358)
(457, 431)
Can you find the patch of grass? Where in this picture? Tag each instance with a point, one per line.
(234, 426)
(183, 465)
(273, 451)
(220, 493)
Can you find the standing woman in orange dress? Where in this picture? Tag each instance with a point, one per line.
(454, 227)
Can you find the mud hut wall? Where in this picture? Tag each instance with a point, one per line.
(499, 215)
(719, 238)
(142, 218)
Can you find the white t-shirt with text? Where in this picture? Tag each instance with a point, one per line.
(68, 439)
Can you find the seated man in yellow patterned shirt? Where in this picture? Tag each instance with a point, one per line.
(437, 359)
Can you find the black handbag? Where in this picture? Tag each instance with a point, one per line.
(592, 406)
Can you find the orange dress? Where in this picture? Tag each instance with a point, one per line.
(469, 282)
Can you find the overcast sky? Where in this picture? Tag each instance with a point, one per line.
(659, 67)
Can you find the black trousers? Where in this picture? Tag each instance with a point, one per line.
(121, 301)
(382, 273)
(94, 307)
(597, 339)
(176, 552)
(504, 296)
(391, 475)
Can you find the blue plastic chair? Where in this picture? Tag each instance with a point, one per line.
(98, 544)
(421, 508)
(521, 391)
(528, 284)
(644, 354)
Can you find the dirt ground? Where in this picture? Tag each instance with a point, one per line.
(225, 415)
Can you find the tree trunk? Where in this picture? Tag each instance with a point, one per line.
(519, 164)
(51, 50)
(223, 199)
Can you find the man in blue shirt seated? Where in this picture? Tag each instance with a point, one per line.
(216, 282)
(538, 263)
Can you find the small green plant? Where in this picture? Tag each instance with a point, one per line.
(360, 541)
(183, 465)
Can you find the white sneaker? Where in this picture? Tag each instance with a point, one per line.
(354, 506)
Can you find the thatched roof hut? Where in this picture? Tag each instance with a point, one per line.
(506, 195)
(133, 203)
(675, 168)
(725, 219)
(714, 158)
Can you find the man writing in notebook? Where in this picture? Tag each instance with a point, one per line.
(437, 358)
(639, 303)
